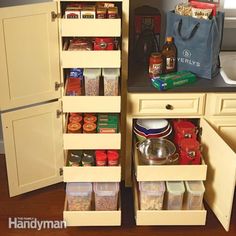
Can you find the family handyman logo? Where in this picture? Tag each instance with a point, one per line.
(187, 58)
(34, 223)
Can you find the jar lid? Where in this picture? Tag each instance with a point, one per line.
(175, 187)
(90, 119)
(89, 127)
(75, 119)
(156, 54)
(74, 126)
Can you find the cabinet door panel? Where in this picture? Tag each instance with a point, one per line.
(29, 55)
(33, 147)
(221, 173)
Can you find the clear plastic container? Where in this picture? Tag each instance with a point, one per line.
(151, 195)
(91, 79)
(195, 192)
(106, 196)
(175, 193)
(79, 196)
(111, 81)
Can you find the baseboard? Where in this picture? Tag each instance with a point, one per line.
(2, 147)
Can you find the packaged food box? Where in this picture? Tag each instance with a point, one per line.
(110, 118)
(88, 12)
(111, 81)
(106, 196)
(91, 79)
(107, 128)
(79, 196)
(195, 192)
(175, 193)
(151, 195)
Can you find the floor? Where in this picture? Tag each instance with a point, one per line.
(47, 204)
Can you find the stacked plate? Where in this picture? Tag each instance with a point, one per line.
(152, 128)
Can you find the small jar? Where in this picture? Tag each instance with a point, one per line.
(113, 158)
(101, 158)
(74, 128)
(90, 119)
(89, 128)
(112, 12)
(101, 13)
(155, 65)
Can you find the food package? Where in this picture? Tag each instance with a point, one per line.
(201, 13)
(80, 44)
(183, 9)
(204, 5)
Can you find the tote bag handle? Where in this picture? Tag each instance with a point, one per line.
(189, 33)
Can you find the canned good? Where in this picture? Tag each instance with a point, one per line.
(101, 13)
(88, 159)
(155, 65)
(101, 158)
(113, 158)
(90, 119)
(74, 128)
(75, 158)
(75, 119)
(89, 128)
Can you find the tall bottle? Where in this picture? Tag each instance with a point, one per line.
(169, 53)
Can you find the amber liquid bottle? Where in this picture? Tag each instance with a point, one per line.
(169, 53)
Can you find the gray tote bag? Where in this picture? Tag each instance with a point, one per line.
(198, 43)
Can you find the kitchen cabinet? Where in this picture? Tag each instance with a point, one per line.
(34, 105)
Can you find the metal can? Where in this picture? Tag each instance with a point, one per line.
(75, 157)
(88, 159)
(155, 65)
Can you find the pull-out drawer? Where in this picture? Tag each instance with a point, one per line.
(92, 218)
(91, 59)
(166, 104)
(91, 27)
(167, 217)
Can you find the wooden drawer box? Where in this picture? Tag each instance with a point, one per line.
(221, 104)
(91, 27)
(166, 104)
(91, 59)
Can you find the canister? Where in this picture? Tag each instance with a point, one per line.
(91, 78)
(111, 81)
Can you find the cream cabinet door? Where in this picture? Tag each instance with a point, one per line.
(33, 147)
(221, 173)
(29, 55)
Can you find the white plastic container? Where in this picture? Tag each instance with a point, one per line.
(79, 196)
(151, 195)
(195, 192)
(91, 79)
(175, 193)
(111, 81)
(106, 196)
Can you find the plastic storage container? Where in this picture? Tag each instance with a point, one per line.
(111, 81)
(175, 193)
(195, 192)
(91, 78)
(79, 196)
(151, 195)
(106, 196)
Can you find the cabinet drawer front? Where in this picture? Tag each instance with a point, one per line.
(167, 104)
(92, 218)
(167, 217)
(221, 104)
(92, 141)
(91, 104)
(91, 27)
(91, 59)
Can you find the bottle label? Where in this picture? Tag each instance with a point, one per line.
(170, 63)
(155, 69)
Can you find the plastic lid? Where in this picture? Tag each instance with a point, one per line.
(106, 188)
(195, 187)
(169, 39)
(108, 72)
(152, 187)
(175, 187)
(96, 72)
(78, 189)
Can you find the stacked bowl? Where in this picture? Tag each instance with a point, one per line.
(152, 128)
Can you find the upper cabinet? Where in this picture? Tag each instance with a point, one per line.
(29, 59)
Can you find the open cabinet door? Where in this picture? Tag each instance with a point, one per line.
(29, 55)
(33, 147)
(221, 174)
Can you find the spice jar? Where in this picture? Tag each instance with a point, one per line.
(112, 12)
(155, 65)
(90, 119)
(101, 13)
(89, 128)
(101, 158)
(113, 158)
(74, 128)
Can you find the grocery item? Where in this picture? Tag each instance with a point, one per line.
(155, 65)
(205, 6)
(73, 87)
(72, 11)
(105, 43)
(201, 13)
(101, 158)
(169, 53)
(175, 193)
(112, 12)
(88, 158)
(74, 128)
(90, 118)
(101, 13)
(76, 73)
(113, 158)
(79, 44)
(74, 158)
(89, 128)
(111, 81)
(88, 12)
(79, 196)
(75, 119)
(151, 195)
(106, 196)
(91, 79)
(195, 192)
(172, 80)
(184, 9)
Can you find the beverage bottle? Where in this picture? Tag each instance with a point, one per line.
(169, 53)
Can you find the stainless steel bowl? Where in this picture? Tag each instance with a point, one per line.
(157, 152)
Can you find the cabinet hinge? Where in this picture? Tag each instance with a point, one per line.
(200, 131)
(59, 113)
(58, 85)
(61, 171)
(54, 15)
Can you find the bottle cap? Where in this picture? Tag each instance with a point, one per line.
(169, 39)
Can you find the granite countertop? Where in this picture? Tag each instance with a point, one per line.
(139, 82)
